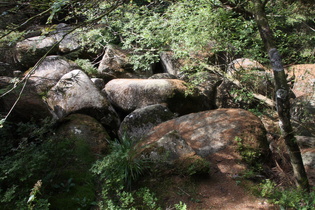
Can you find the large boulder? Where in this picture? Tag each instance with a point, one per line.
(79, 126)
(75, 92)
(209, 132)
(31, 103)
(303, 106)
(247, 64)
(26, 101)
(252, 75)
(116, 62)
(30, 50)
(69, 42)
(48, 73)
(303, 78)
(131, 94)
(139, 122)
(172, 154)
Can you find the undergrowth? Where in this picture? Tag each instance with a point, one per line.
(286, 198)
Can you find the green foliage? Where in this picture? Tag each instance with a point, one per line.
(180, 206)
(95, 39)
(118, 171)
(61, 165)
(87, 66)
(122, 166)
(287, 198)
(249, 155)
(56, 7)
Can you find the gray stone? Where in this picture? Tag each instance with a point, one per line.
(75, 92)
(139, 122)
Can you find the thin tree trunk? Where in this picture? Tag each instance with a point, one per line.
(282, 95)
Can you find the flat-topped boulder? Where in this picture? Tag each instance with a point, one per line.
(131, 94)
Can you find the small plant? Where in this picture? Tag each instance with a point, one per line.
(180, 206)
(249, 155)
(87, 66)
(287, 198)
(122, 166)
(65, 186)
(33, 201)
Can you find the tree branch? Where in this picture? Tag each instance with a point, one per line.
(236, 8)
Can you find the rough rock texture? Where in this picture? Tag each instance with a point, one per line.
(131, 94)
(75, 92)
(45, 76)
(139, 122)
(211, 131)
(48, 73)
(98, 82)
(70, 41)
(84, 127)
(172, 152)
(303, 76)
(116, 62)
(169, 63)
(30, 50)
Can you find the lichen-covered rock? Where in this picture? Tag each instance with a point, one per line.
(211, 131)
(131, 94)
(84, 127)
(139, 122)
(75, 92)
(32, 103)
(253, 76)
(303, 106)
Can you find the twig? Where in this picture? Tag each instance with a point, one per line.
(183, 191)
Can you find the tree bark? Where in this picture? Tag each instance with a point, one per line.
(282, 95)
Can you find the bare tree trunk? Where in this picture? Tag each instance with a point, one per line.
(282, 95)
